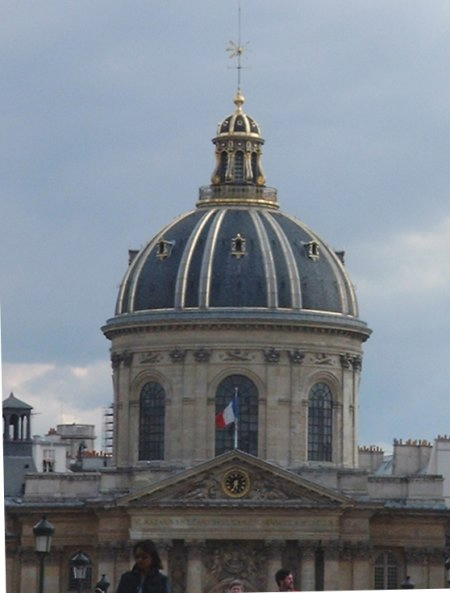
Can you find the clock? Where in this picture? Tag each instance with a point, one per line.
(236, 483)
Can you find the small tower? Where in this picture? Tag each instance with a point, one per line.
(16, 426)
(238, 149)
(17, 445)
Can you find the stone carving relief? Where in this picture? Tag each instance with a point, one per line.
(272, 355)
(117, 357)
(349, 361)
(202, 355)
(225, 561)
(322, 359)
(296, 356)
(263, 487)
(150, 357)
(178, 355)
(238, 355)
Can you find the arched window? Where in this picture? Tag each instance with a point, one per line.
(223, 165)
(386, 571)
(74, 584)
(247, 406)
(151, 421)
(239, 167)
(320, 423)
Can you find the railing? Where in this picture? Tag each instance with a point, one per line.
(238, 193)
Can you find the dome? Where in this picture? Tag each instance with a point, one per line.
(236, 255)
(239, 122)
(236, 258)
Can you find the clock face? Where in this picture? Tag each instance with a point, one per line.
(236, 483)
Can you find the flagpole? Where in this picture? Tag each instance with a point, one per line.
(236, 421)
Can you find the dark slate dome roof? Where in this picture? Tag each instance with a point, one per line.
(236, 257)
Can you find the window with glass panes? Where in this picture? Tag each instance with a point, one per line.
(152, 409)
(386, 571)
(320, 423)
(247, 403)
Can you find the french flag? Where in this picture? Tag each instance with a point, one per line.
(227, 416)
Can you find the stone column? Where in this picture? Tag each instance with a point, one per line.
(194, 576)
(308, 567)
(362, 567)
(331, 565)
(106, 555)
(29, 570)
(164, 546)
(274, 562)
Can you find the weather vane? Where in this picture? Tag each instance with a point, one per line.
(235, 50)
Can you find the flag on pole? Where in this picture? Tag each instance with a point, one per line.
(227, 416)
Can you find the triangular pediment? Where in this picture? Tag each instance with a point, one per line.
(235, 479)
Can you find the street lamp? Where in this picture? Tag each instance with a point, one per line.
(447, 569)
(43, 531)
(102, 585)
(80, 563)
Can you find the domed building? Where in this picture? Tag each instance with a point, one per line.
(236, 349)
(236, 296)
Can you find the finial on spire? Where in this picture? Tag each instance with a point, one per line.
(239, 100)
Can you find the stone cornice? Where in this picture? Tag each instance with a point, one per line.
(241, 320)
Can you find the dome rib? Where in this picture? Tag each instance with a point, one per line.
(294, 279)
(269, 265)
(186, 259)
(206, 270)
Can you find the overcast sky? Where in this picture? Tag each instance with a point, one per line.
(107, 110)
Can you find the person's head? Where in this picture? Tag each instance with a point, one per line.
(236, 586)
(146, 556)
(284, 579)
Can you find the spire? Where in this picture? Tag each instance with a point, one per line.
(238, 176)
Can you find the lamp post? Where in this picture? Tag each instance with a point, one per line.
(102, 585)
(447, 569)
(79, 566)
(43, 531)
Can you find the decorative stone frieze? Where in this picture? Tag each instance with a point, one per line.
(296, 356)
(272, 355)
(351, 361)
(127, 358)
(332, 549)
(424, 555)
(322, 359)
(237, 355)
(346, 361)
(357, 363)
(178, 355)
(150, 357)
(355, 550)
(118, 357)
(202, 355)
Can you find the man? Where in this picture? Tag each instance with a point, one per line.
(236, 587)
(284, 579)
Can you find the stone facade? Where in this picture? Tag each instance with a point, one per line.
(283, 368)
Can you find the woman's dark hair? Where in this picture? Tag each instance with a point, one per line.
(149, 547)
(281, 574)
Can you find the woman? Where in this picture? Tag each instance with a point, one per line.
(145, 576)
